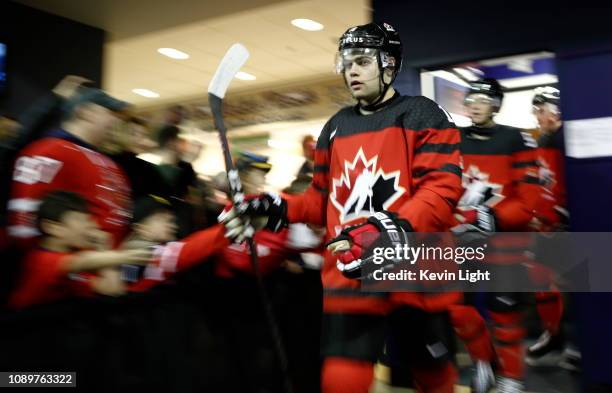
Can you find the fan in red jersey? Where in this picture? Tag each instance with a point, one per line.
(52, 271)
(67, 159)
(387, 154)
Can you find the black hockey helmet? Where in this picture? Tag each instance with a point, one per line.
(546, 94)
(379, 40)
(382, 37)
(489, 87)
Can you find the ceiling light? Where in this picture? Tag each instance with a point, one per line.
(245, 76)
(146, 93)
(173, 53)
(307, 24)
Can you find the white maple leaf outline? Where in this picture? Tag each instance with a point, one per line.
(346, 181)
(474, 173)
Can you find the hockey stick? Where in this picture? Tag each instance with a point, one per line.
(231, 63)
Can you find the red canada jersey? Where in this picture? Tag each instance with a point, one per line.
(403, 158)
(500, 170)
(553, 201)
(43, 279)
(53, 164)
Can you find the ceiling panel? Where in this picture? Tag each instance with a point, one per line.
(280, 53)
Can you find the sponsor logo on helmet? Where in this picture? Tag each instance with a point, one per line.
(352, 40)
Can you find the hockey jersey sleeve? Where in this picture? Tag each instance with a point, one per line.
(433, 150)
(517, 209)
(310, 207)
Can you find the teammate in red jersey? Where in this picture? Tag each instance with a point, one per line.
(389, 158)
(67, 159)
(500, 178)
(551, 215)
(52, 271)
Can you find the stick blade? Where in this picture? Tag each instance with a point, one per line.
(233, 60)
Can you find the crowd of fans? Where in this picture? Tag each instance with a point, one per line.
(115, 267)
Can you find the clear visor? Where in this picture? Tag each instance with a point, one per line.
(359, 56)
(482, 99)
(362, 57)
(552, 108)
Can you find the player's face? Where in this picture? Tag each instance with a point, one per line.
(159, 227)
(103, 121)
(480, 108)
(77, 230)
(253, 181)
(547, 116)
(362, 76)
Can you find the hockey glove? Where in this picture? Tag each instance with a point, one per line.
(477, 224)
(355, 245)
(265, 211)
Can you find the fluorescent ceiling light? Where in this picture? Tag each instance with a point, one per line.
(307, 24)
(526, 81)
(245, 76)
(281, 145)
(450, 77)
(173, 53)
(146, 93)
(467, 74)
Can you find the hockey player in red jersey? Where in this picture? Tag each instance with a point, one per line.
(500, 178)
(67, 158)
(551, 213)
(550, 216)
(390, 160)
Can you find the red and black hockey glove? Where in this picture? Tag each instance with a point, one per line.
(265, 211)
(476, 225)
(355, 245)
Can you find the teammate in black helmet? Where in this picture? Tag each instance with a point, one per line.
(546, 108)
(552, 348)
(500, 177)
(388, 165)
(483, 100)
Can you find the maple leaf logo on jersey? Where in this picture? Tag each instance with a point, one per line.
(363, 188)
(478, 190)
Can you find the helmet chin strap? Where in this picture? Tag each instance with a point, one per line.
(378, 102)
